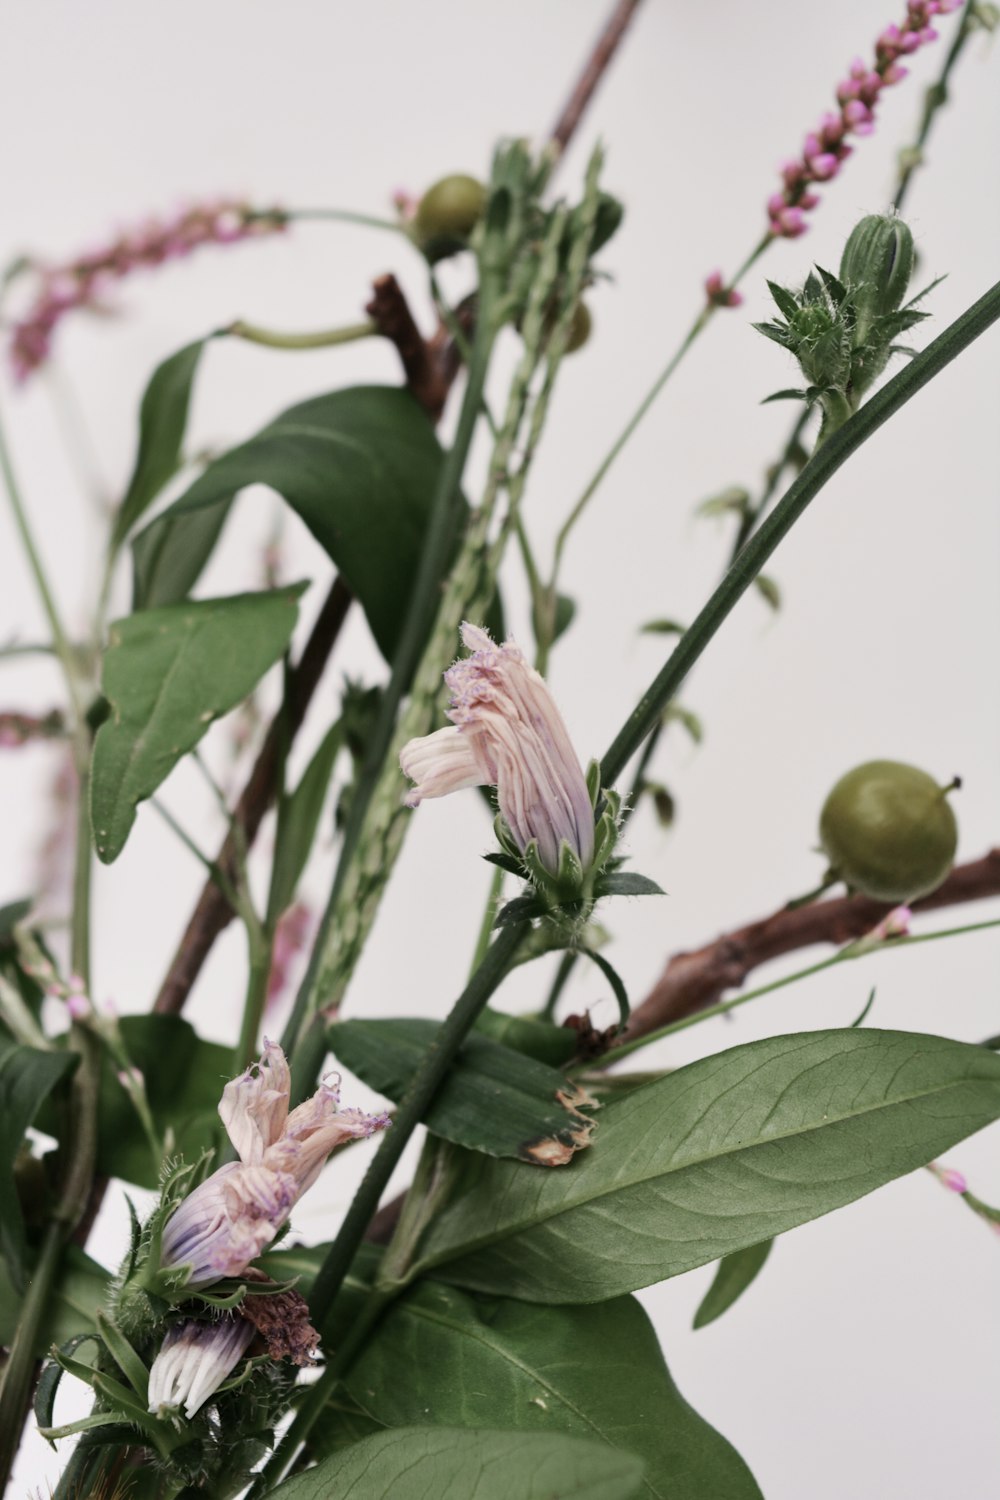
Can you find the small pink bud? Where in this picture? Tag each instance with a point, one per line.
(809, 200)
(823, 166)
(79, 1007)
(895, 924)
(790, 223)
(894, 73)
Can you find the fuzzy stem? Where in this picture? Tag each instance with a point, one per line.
(820, 468)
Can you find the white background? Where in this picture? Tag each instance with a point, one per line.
(863, 1363)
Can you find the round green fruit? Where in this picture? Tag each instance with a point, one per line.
(888, 831)
(450, 209)
(579, 328)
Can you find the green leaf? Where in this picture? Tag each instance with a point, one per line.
(735, 499)
(169, 554)
(768, 590)
(494, 1100)
(788, 394)
(662, 627)
(786, 302)
(167, 674)
(594, 1372)
(547, 1043)
(441, 1463)
(521, 909)
(359, 466)
(717, 1156)
(184, 1079)
(674, 713)
(79, 1293)
(298, 819)
(10, 915)
(734, 1275)
(49, 1379)
(629, 883)
(162, 422)
(27, 1077)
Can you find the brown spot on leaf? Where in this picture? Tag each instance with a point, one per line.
(557, 1149)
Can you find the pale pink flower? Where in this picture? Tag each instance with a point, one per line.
(194, 1360)
(895, 924)
(223, 1225)
(507, 732)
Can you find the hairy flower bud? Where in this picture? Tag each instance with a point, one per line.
(876, 267)
(194, 1360)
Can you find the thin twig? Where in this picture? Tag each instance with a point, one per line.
(692, 981)
(594, 70)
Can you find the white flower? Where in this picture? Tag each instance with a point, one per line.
(507, 732)
(235, 1214)
(194, 1360)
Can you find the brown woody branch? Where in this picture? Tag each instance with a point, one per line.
(594, 70)
(692, 981)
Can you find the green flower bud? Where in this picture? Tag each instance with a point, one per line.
(876, 267)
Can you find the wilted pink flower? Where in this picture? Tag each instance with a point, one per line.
(85, 281)
(825, 149)
(507, 733)
(194, 1360)
(226, 1222)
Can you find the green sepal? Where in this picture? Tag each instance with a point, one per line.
(124, 1356)
(222, 1301)
(506, 862)
(627, 883)
(593, 779)
(521, 909)
(504, 837)
(784, 299)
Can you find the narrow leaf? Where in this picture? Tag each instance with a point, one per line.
(629, 883)
(768, 590)
(494, 1100)
(774, 1133)
(298, 819)
(785, 300)
(162, 422)
(417, 1463)
(614, 979)
(27, 1077)
(168, 673)
(662, 627)
(734, 1275)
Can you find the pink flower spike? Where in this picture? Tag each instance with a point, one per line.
(507, 732)
(824, 166)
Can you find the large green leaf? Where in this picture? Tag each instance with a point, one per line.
(167, 674)
(360, 467)
(494, 1099)
(714, 1157)
(169, 554)
(27, 1076)
(443, 1357)
(441, 1463)
(162, 421)
(184, 1078)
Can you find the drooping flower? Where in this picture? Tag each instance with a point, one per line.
(194, 1360)
(507, 732)
(226, 1222)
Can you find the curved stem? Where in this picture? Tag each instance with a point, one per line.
(858, 949)
(324, 339)
(820, 468)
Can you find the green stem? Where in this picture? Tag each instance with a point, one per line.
(859, 949)
(260, 944)
(324, 339)
(20, 1368)
(337, 215)
(419, 614)
(413, 1106)
(820, 468)
(489, 917)
(700, 323)
(935, 97)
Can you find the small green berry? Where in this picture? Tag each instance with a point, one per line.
(888, 831)
(449, 210)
